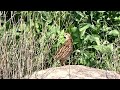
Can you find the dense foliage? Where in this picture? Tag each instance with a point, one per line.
(29, 39)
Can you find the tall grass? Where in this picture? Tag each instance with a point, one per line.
(29, 39)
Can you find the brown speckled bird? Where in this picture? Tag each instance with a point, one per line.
(65, 50)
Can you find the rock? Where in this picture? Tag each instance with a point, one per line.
(73, 72)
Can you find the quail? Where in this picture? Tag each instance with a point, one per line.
(65, 50)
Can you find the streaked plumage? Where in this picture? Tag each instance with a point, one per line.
(65, 50)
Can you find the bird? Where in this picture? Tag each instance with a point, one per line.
(65, 50)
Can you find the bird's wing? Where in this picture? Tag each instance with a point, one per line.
(64, 50)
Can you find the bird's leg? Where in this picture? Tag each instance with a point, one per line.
(62, 62)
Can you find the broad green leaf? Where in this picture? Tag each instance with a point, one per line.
(88, 37)
(92, 38)
(117, 18)
(76, 41)
(83, 29)
(97, 40)
(114, 33)
(101, 11)
(93, 27)
(74, 29)
(103, 48)
(97, 47)
(105, 28)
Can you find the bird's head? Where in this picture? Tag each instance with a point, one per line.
(67, 36)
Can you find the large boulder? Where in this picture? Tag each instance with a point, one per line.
(73, 72)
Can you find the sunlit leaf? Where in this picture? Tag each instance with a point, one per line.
(92, 38)
(83, 29)
(97, 40)
(103, 48)
(114, 33)
(74, 29)
(101, 11)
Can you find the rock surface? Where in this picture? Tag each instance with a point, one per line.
(73, 72)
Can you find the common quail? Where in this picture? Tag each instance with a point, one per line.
(65, 50)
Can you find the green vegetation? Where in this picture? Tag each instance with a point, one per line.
(29, 39)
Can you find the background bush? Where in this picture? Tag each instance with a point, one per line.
(29, 39)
